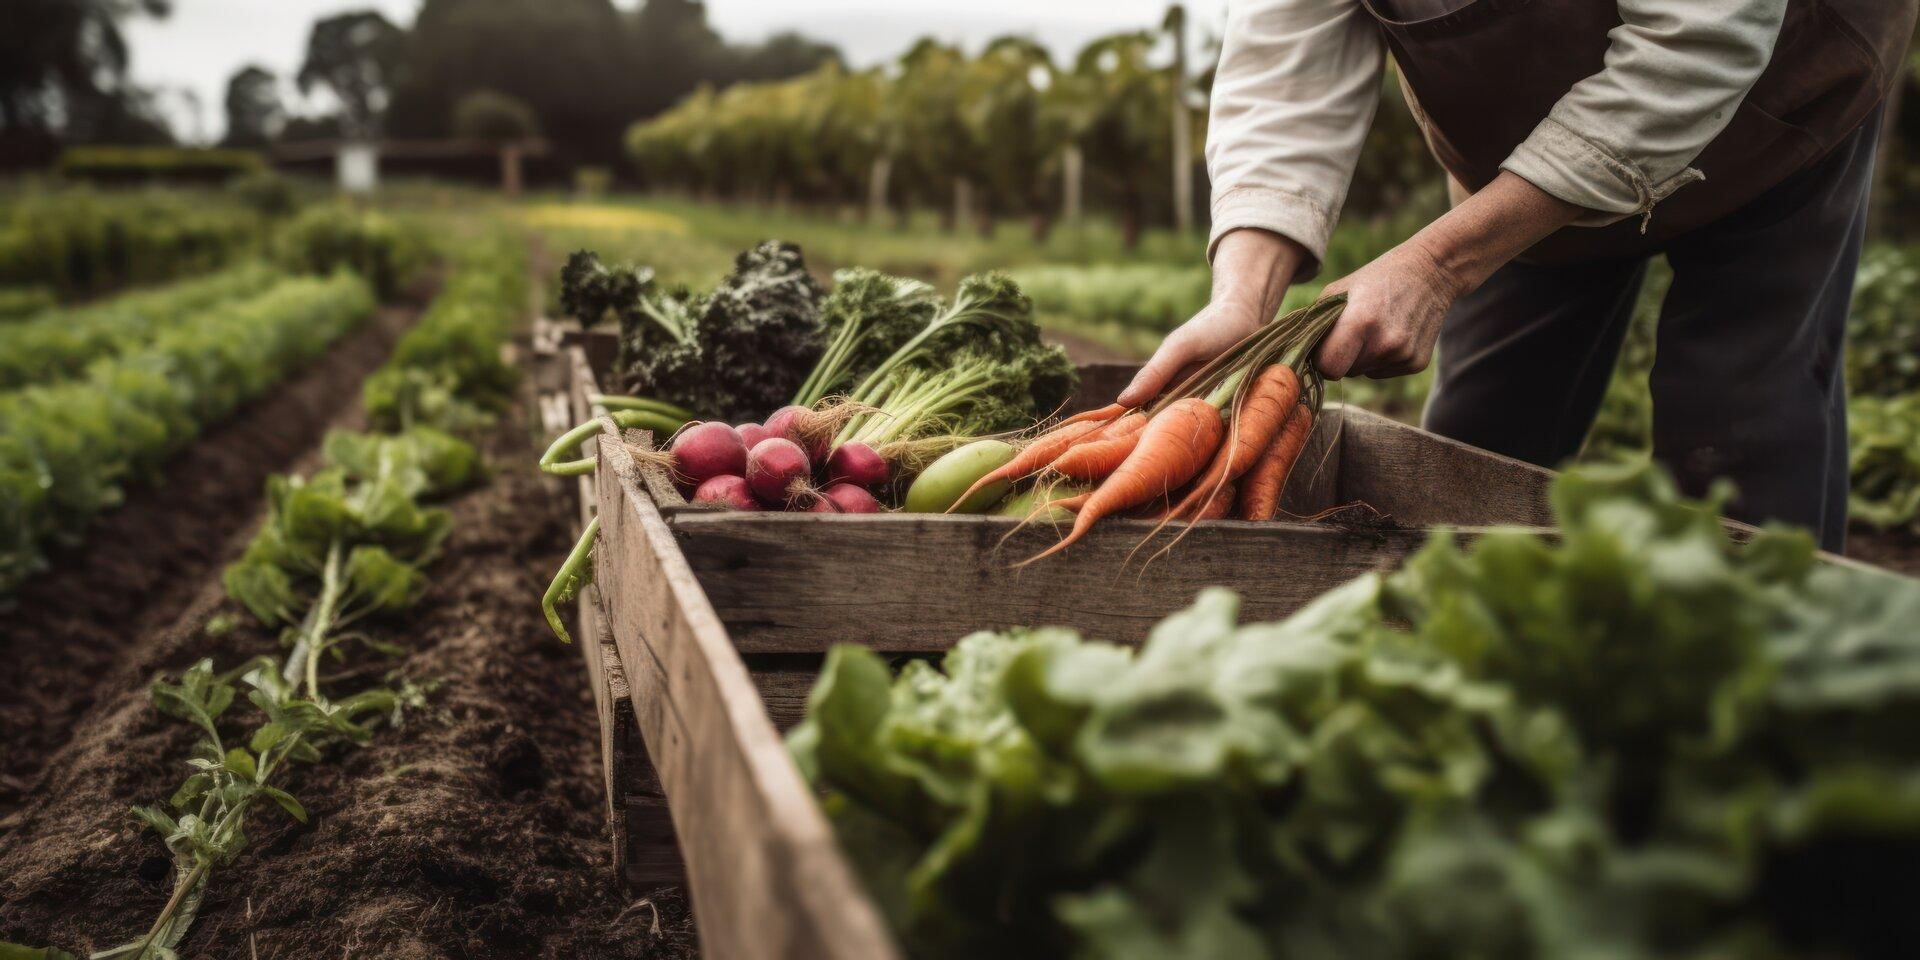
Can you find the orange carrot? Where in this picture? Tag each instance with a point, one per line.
(1270, 399)
(1172, 449)
(1034, 457)
(1097, 455)
(1102, 415)
(1261, 488)
(1220, 506)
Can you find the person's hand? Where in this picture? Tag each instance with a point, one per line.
(1394, 308)
(1251, 271)
(1396, 303)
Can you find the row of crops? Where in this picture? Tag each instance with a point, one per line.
(341, 548)
(69, 243)
(95, 398)
(70, 447)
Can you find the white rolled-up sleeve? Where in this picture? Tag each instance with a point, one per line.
(1293, 96)
(1625, 138)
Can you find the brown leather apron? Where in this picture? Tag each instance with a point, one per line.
(1481, 76)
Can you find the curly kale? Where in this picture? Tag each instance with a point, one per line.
(735, 353)
(590, 290)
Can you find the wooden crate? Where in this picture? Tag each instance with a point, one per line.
(701, 651)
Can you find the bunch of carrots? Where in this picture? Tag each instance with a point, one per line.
(1221, 442)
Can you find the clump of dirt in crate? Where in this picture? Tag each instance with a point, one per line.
(476, 830)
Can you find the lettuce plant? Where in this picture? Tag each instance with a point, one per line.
(1636, 739)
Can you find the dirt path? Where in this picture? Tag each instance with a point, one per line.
(142, 563)
(475, 830)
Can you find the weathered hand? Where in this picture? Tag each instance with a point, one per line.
(1251, 270)
(1208, 334)
(1394, 308)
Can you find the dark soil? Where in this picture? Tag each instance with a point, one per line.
(474, 830)
(1896, 551)
(142, 563)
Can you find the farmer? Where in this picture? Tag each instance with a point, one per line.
(1581, 137)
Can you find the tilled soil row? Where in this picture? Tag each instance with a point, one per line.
(475, 830)
(68, 640)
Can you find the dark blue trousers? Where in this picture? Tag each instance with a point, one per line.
(1748, 381)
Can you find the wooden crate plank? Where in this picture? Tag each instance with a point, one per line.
(919, 582)
(784, 680)
(765, 872)
(638, 822)
(1423, 479)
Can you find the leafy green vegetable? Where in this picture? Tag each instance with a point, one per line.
(735, 353)
(387, 251)
(69, 449)
(1883, 326)
(1634, 740)
(61, 343)
(870, 315)
(448, 372)
(1884, 461)
(975, 368)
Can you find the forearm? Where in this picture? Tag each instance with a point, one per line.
(1487, 230)
(1252, 270)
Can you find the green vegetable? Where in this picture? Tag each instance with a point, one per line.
(69, 450)
(1023, 505)
(978, 367)
(680, 414)
(1884, 461)
(59, 344)
(870, 315)
(560, 456)
(736, 353)
(1635, 740)
(448, 371)
(944, 480)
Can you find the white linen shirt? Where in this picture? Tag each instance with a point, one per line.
(1299, 81)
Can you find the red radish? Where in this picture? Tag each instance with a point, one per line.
(751, 434)
(707, 450)
(774, 467)
(851, 499)
(727, 491)
(802, 426)
(821, 505)
(858, 464)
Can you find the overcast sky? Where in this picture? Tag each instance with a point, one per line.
(205, 41)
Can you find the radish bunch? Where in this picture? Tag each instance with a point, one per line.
(786, 463)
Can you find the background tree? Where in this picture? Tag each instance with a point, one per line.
(491, 115)
(356, 56)
(935, 159)
(674, 50)
(255, 113)
(1126, 144)
(63, 76)
(1001, 106)
(562, 58)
